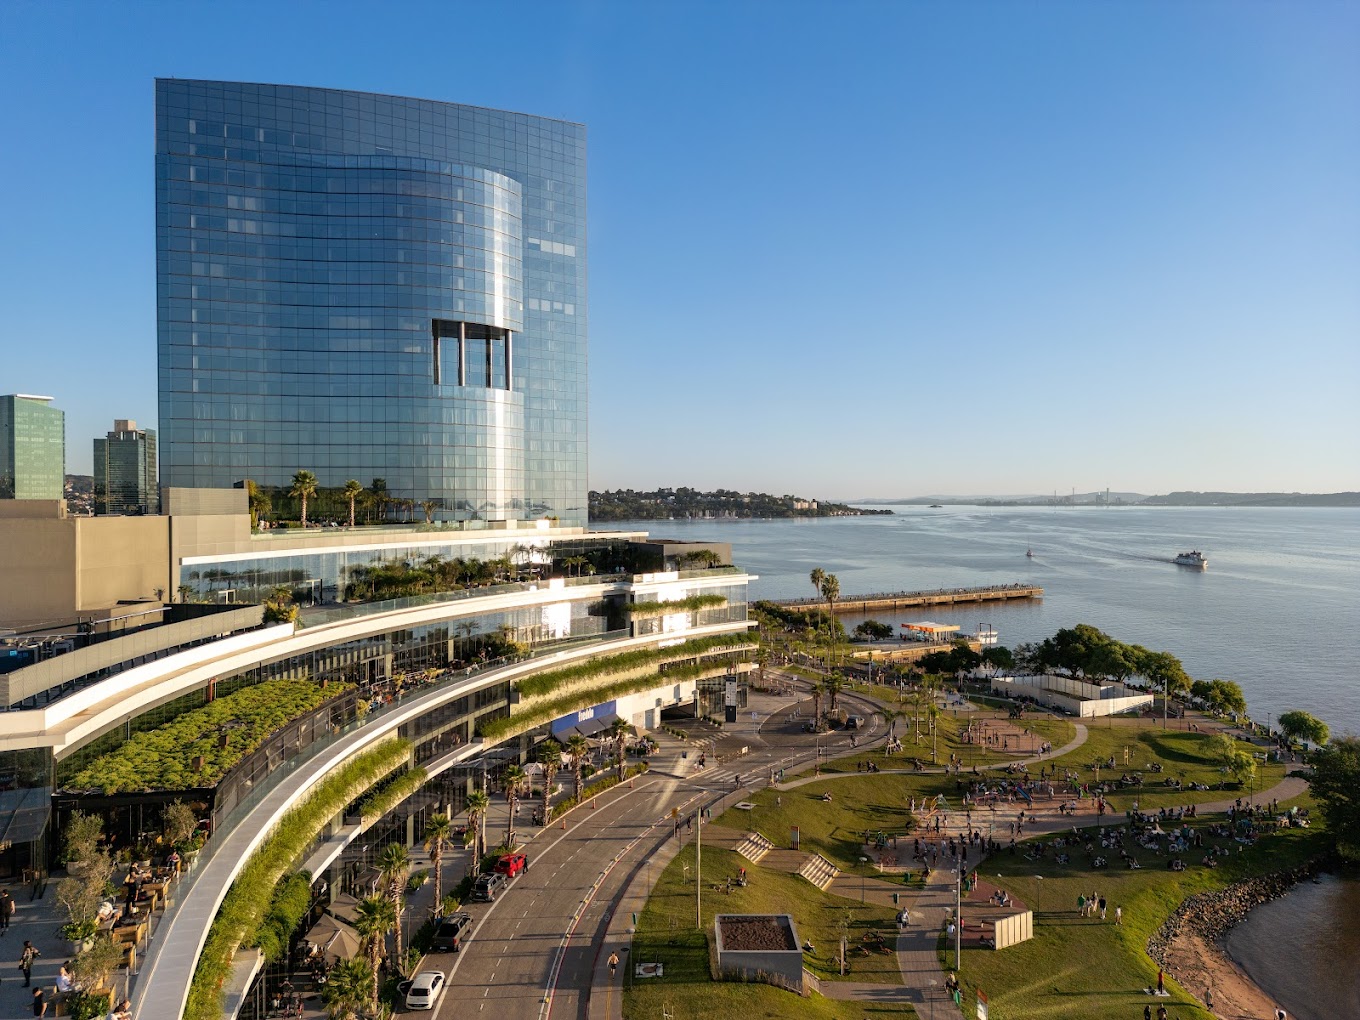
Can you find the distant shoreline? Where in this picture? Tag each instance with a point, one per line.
(1123, 500)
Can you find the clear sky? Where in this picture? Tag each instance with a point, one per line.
(844, 250)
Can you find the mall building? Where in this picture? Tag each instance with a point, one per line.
(351, 287)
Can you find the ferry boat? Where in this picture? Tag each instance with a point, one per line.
(1194, 558)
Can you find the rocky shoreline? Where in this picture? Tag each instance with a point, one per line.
(1188, 944)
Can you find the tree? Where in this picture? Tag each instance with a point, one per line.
(1164, 670)
(352, 491)
(393, 864)
(438, 837)
(1336, 785)
(178, 822)
(303, 488)
(937, 662)
(831, 591)
(619, 731)
(1222, 697)
(998, 657)
(873, 630)
(832, 687)
(891, 716)
(349, 987)
(578, 750)
(816, 576)
(374, 917)
(1300, 725)
(1233, 758)
(512, 781)
(963, 659)
(550, 757)
(429, 506)
(379, 495)
(83, 834)
(259, 502)
(477, 805)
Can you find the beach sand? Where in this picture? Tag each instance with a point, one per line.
(1194, 961)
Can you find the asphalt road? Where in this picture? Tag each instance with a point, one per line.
(533, 952)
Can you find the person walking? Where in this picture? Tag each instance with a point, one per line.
(39, 1003)
(26, 959)
(613, 964)
(1119, 915)
(1102, 908)
(6, 910)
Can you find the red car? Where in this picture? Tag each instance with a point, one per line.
(512, 864)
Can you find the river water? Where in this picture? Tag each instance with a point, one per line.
(1277, 610)
(1302, 949)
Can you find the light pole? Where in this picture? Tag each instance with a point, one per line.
(1038, 887)
(958, 917)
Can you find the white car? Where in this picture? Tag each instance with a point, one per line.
(425, 989)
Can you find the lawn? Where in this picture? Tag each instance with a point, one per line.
(836, 829)
(1182, 754)
(666, 933)
(951, 727)
(1079, 968)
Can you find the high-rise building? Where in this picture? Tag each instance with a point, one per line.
(125, 471)
(32, 448)
(364, 286)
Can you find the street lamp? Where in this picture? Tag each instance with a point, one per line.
(1038, 887)
(958, 917)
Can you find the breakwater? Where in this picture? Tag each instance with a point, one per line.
(909, 599)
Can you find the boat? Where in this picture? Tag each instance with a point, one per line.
(936, 506)
(1194, 558)
(1029, 554)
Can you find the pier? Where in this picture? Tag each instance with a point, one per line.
(910, 599)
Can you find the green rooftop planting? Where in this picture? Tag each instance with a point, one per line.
(222, 733)
(545, 683)
(379, 802)
(689, 604)
(252, 895)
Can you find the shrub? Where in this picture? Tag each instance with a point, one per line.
(162, 759)
(690, 604)
(378, 803)
(250, 896)
(292, 897)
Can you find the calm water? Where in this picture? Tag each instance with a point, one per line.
(1302, 949)
(1278, 609)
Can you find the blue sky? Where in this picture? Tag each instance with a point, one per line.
(851, 249)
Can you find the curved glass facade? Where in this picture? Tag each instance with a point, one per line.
(368, 287)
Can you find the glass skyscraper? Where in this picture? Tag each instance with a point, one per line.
(365, 286)
(32, 448)
(125, 471)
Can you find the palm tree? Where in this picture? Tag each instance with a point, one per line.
(831, 591)
(817, 576)
(816, 707)
(550, 757)
(352, 491)
(350, 987)
(578, 749)
(378, 490)
(438, 836)
(393, 864)
(429, 506)
(303, 488)
(374, 917)
(618, 732)
(762, 660)
(512, 781)
(833, 685)
(477, 805)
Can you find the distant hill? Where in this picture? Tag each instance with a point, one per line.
(683, 503)
(1063, 499)
(1255, 499)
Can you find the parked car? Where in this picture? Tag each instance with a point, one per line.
(488, 887)
(425, 989)
(512, 864)
(449, 932)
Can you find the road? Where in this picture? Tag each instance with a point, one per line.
(533, 952)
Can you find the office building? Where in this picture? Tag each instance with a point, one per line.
(125, 471)
(32, 448)
(364, 286)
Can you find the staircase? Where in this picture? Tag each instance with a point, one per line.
(819, 871)
(754, 847)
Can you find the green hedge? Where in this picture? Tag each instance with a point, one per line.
(161, 759)
(292, 897)
(246, 904)
(546, 683)
(691, 604)
(379, 802)
(496, 729)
